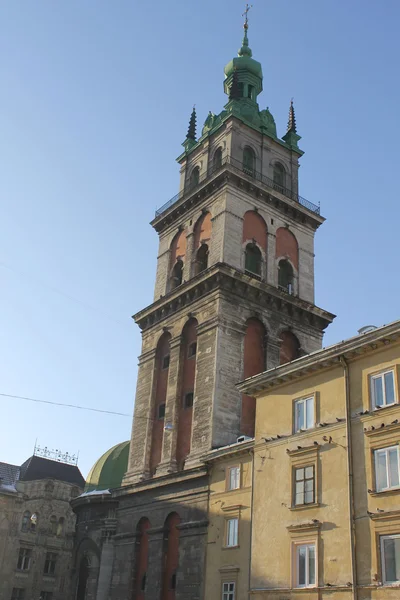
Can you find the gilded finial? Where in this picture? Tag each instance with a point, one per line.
(246, 15)
(245, 50)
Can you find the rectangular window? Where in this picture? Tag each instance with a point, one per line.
(233, 479)
(232, 530)
(304, 485)
(305, 565)
(24, 559)
(165, 361)
(188, 401)
(50, 563)
(304, 414)
(46, 595)
(387, 468)
(18, 594)
(192, 350)
(390, 555)
(382, 389)
(228, 591)
(161, 411)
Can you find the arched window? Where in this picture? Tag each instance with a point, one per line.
(254, 362)
(161, 385)
(177, 274)
(249, 161)
(290, 347)
(217, 159)
(141, 557)
(60, 526)
(201, 259)
(253, 261)
(187, 379)
(53, 524)
(170, 559)
(195, 177)
(279, 177)
(250, 89)
(34, 520)
(26, 520)
(285, 276)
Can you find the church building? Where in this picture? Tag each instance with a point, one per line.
(234, 296)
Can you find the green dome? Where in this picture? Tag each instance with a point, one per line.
(109, 470)
(244, 63)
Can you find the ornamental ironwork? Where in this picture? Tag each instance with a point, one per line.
(57, 455)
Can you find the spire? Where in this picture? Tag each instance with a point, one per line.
(245, 50)
(291, 127)
(191, 134)
(234, 92)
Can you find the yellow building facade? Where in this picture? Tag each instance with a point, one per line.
(229, 515)
(326, 486)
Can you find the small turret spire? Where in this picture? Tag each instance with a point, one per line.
(291, 127)
(191, 134)
(245, 50)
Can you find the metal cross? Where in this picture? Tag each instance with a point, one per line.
(246, 13)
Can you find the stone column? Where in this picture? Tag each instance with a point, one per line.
(154, 568)
(273, 351)
(188, 267)
(168, 456)
(139, 457)
(272, 272)
(123, 567)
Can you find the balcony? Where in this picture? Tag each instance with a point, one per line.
(238, 167)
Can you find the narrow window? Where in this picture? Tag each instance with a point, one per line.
(192, 350)
(50, 563)
(177, 274)
(250, 89)
(24, 559)
(253, 261)
(60, 526)
(387, 468)
(53, 524)
(390, 555)
(33, 522)
(18, 594)
(285, 276)
(228, 590)
(279, 177)
(241, 89)
(26, 520)
(188, 401)
(304, 489)
(304, 414)
(161, 411)
(233, 479)
(143, 582)
(201, 259)
(173, 581)
(218, 159)
(382, 389)
(165, 362)
(195, 177)
(249, 161)
(305, 565)
(232, 530)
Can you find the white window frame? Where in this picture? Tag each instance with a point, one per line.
(228, 594)
(382, 539)
(386, 452)
(233, 483)
(382, 376)
(235, 533)
(296, 420)
(297, 547)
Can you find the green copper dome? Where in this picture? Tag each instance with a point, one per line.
(249, 71)
(109, 470)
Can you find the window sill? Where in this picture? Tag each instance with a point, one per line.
(305, 506)
(390, 492)
(230, 547)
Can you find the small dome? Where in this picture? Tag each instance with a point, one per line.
(109, 470)
(244, 63)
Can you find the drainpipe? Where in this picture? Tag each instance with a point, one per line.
(352, 523)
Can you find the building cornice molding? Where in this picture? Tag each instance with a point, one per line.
(237, 449)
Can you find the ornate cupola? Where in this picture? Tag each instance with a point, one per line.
(246, 70)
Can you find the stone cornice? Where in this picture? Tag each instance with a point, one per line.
(328, 357)
(159, 482)
(233, 450)
(222, 277)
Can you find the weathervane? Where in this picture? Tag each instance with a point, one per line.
(246, 15)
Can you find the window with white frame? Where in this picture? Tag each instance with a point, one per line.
(228, 590)
(382, 389)
(233, 480)
(387, 474)
(232, 531)
(304, 485)
(304, 414)
(390, 556)
(305, 565)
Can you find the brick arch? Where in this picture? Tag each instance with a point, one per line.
(254, 360)
(202, 230)
(141, 558)
(170, 556)
(178, 248)
(187, 384)
(161, 385)
(287, 246)
(255, 228)
(290, 347)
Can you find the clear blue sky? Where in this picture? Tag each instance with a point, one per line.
(95, 103)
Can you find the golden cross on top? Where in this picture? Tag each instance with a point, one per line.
(246, 13)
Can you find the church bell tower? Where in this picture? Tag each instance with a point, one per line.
(234, 289)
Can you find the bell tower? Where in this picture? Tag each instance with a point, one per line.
(234, 289)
